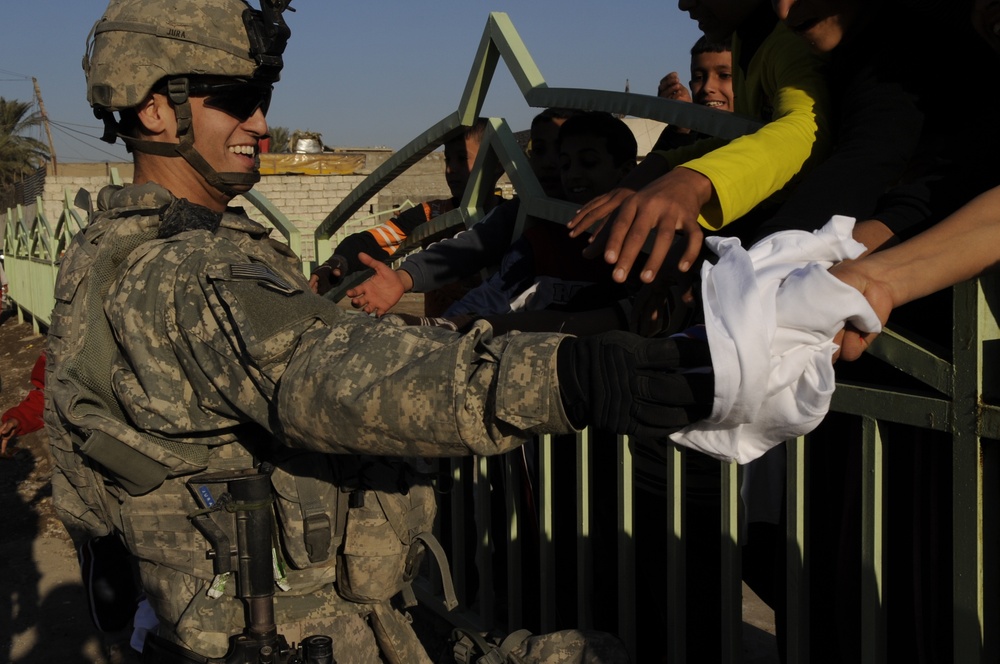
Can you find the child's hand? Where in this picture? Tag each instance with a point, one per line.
(667, 206)
(7, 431)
(328, 275)
(596, 214)
(672, 88)
(379, 293)
(851, 341)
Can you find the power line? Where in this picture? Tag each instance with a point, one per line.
(8, 72)
(69, 133)
(76, 124)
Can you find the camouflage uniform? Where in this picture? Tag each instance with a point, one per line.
(219, 347)
(183, 341)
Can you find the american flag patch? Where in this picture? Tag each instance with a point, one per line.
(263, 275)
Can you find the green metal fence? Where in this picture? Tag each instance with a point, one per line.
(574, 549)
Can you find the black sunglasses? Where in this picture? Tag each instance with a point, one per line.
(240, 99)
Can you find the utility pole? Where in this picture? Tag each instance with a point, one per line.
(48, 131)
(621, 116)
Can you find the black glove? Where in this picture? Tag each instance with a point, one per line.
(327, 279)
(621, 382)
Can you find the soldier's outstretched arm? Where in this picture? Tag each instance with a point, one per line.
(256, 345)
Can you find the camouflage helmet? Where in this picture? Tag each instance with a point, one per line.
(139, 42)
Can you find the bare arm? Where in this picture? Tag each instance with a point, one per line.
(7, 431)
(962, 246)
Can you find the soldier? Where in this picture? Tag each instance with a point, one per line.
(184, 341)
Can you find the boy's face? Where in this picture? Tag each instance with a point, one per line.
(587, 168)
(544, 156)
(459, 156)
(822, 23)
(718, 19)
(712, 80)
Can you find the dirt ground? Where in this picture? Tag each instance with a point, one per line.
(43, 614)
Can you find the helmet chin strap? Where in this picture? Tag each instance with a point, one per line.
(177, 91)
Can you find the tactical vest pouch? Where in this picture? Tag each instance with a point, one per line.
(389, 514)
(135, 471)
(371, 517)
(568, 645)
(470, 647)
(310, 509)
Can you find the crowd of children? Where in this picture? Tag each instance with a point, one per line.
(852, 126)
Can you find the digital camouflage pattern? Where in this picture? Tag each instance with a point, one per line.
(220, 346)
(227, 323)
(573, 646)
(137, 42)
(570, 646)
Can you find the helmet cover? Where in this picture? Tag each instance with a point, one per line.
(139, 42)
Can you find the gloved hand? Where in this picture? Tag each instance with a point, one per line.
(328, 274)
(621, 382)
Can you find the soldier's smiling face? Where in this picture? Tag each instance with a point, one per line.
(229, 143)
(226, 142)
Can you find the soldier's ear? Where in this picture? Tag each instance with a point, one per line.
(156, 115)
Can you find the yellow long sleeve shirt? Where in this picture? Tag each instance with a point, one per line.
(785, 86)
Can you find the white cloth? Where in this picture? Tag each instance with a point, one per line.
(771, 313)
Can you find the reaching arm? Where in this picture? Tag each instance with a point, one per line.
(717, 186)
(960, 247)
(379, 243)
(597, 212)
(7, 431)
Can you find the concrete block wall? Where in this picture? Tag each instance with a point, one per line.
(305, 199)
(56, 187)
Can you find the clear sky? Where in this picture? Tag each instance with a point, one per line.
(369, 72)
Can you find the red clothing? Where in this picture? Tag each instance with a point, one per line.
(29, 411)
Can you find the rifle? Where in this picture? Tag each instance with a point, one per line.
(248, 497)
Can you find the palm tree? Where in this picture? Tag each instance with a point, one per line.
(279, 138)
(19, 154)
